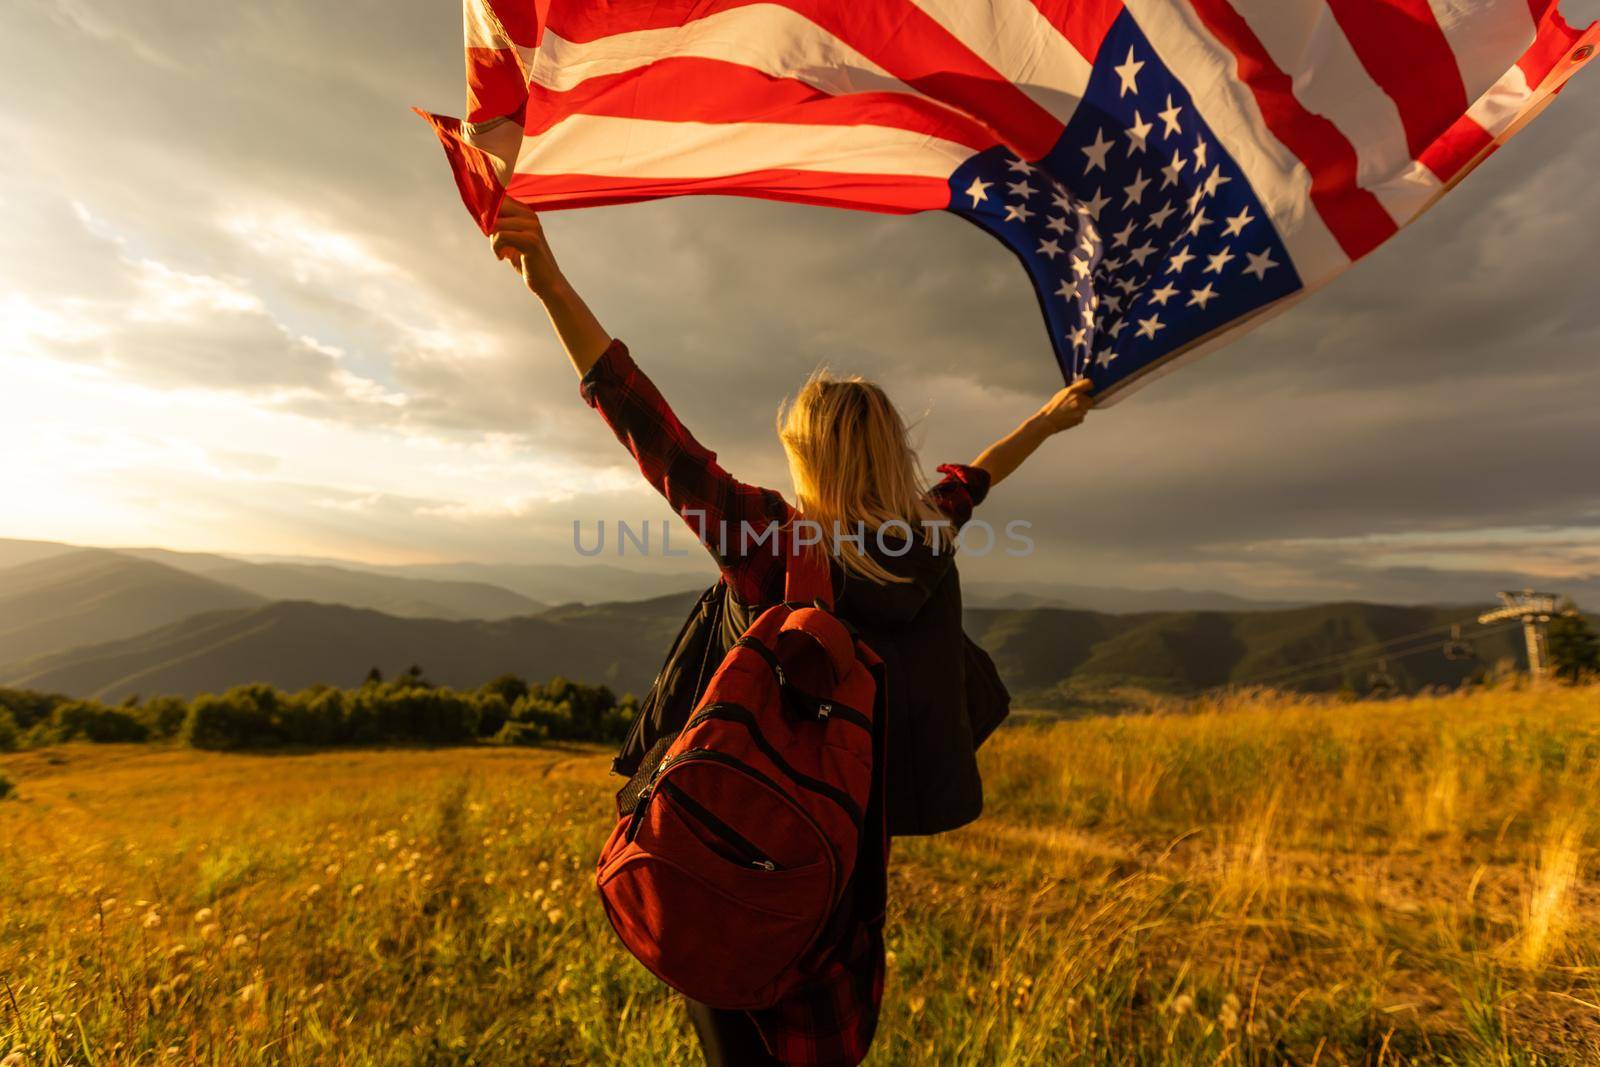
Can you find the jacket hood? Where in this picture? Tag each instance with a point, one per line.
(896, 602)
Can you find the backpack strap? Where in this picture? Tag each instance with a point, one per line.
(807, 575)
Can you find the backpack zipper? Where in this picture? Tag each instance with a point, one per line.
(748, 854)
(722, 758)
(734, 713)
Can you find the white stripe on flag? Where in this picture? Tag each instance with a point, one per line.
(1281, 182)
(1498, 108)
(1487, 36)
(1308, 44)
(772, 39)
(1021, 44)
(607, 146)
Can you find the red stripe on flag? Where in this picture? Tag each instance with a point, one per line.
(1551, 45)
(1455, 148)
(894, 194)
(1355, 217)
(1401, 45)
(895, 34)
(1084, 23)
(692, 89)
(495, 84)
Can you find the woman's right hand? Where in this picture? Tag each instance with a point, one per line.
(518, 238)
(1068, 407)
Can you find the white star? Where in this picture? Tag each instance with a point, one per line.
(1104, 358)
(1113, 301)
(1194, 201)
(1094, 206)
(1237, 223)
(1198, 223)
(1159, 219)
(1180, 261)
(1129, 73)
(1173, 169)
(1138, 133)
(1022, 189)
(1202, 297)
(1148, 327)
(1087, 244)
(1200, 147)
(1057, 224)
(1019, 212)
(1117, 328)
(1260, 263)
(1019, 166)
(1136, 190)
(1079, 337)
(1215, 180)
(1080, 267)
(1111, 265)
(1051, 248)
(1062, 200)
(1097, 152)
(1214, 264)
(1066, 290)
(1170, 118)
(1128, 285)
(979, 191)
(1142, 253)
(1163, 294)
(1118, 240)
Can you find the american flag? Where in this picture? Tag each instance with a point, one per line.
(1167, 171)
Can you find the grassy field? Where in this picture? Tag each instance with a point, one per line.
(1264, 880)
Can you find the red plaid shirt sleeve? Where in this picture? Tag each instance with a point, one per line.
(718, 507)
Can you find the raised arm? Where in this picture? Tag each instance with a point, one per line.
(1061, 412)
(519, 240)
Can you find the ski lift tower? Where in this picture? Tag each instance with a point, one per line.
(1534, 610)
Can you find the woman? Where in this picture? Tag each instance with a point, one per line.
(890, 537)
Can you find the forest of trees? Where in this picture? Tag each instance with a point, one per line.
(407, 709)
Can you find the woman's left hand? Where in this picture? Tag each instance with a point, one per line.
(1068, 407)
(518, 237)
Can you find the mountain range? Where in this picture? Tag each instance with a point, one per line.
(117, 623)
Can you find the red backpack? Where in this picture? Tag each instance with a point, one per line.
(723, 878)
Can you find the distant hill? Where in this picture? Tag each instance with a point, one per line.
(1109, 599)
(87, 596)
(417, 598)
(1045, 654)
(294, 644)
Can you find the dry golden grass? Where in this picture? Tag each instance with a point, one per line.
(1261, 879)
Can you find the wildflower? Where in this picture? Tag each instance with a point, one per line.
(357, 889)
(1228, 1016)
(178, 982)
(331, 870)
(1183, 1005)
(313, 889)
(555, 886)
(210, 931)
(57, 1018)
(555, 915)
(564, 986)
(151, 919)
(240, 941)
(14, 1059)
(203, 916)
(249, 992)
(177, 952)
(917, 1004)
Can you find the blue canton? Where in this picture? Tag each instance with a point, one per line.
(1142, 236)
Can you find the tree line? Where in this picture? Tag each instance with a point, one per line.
(406, 709)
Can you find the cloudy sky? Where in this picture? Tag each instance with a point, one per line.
(241, 309)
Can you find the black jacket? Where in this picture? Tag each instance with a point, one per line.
(942, 699)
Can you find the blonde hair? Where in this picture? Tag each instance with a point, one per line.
(853, 466)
